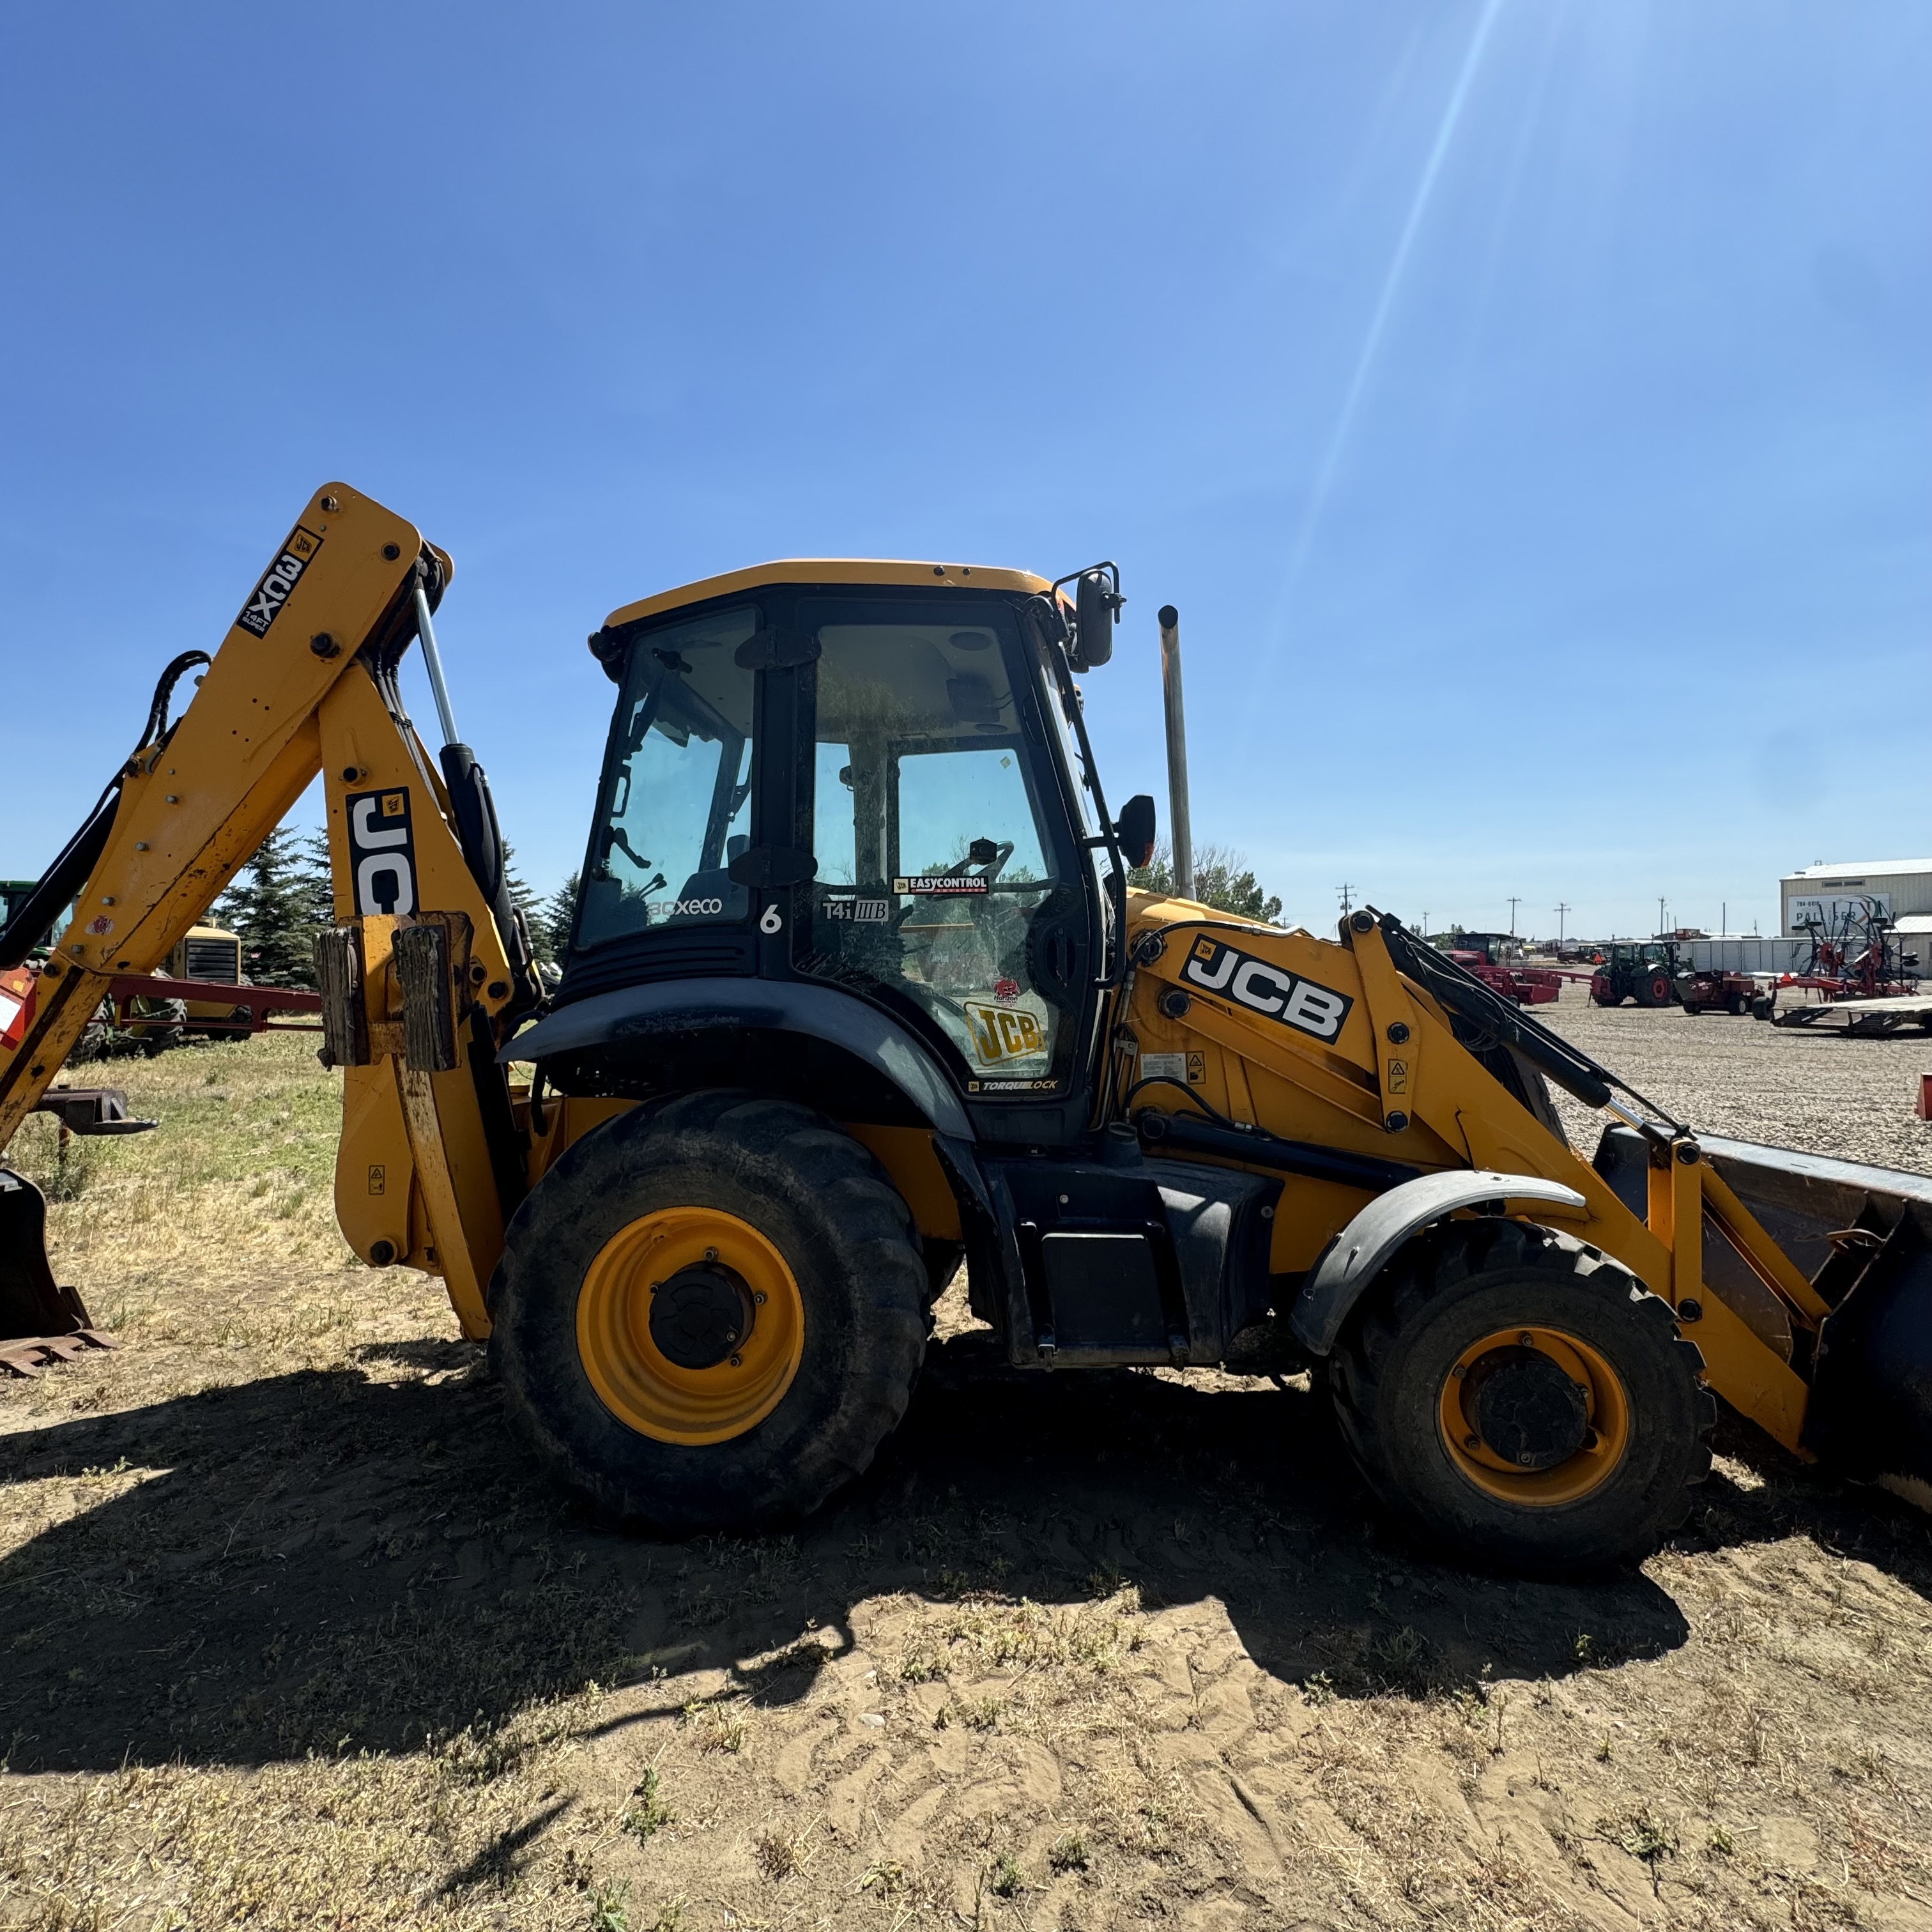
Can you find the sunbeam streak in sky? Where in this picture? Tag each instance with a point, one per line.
(1325, 476)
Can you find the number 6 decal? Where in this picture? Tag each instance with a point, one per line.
(771, 923)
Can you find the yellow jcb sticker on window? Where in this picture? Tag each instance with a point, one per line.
(1003, 1032)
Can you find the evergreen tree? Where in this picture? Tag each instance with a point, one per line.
(559, 914)
(316, 892)
(268, 907)
(1222, 879)
(532, 908)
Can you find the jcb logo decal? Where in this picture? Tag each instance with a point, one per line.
(1003, 1032)
(1265, 988)
(381, 850)
(272, 593)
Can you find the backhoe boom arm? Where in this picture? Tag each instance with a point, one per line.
(305, 683)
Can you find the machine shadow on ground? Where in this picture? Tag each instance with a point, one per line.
(339, 1561)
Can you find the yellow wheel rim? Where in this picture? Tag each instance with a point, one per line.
(635, 1380)
(1607, 1410)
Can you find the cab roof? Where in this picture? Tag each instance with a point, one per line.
(831, 570)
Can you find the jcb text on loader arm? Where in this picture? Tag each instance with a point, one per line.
(857, 989)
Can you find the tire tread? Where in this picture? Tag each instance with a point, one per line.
(861, 1235)
(1439, 1263)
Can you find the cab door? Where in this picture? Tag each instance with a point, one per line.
(947, 883)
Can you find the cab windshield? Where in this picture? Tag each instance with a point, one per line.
(673, 811)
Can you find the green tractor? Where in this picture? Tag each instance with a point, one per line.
(1645, 970)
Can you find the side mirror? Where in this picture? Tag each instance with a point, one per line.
(1135, 829)
(1096, 600)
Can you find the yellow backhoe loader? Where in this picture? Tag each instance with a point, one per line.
(857, 988)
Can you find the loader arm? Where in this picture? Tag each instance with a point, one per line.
(1375, 1062)
(425, 968)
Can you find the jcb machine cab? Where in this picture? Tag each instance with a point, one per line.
(857, 988)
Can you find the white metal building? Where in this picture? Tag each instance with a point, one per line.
(1902, 887)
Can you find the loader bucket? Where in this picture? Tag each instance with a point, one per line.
(32, 1305)
(1864, 1236)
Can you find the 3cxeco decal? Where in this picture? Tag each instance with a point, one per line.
(272, 593)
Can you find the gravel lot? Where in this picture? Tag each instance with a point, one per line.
(1852, 1098)
(299, 1636)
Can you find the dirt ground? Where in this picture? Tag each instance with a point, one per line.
(297, 1637)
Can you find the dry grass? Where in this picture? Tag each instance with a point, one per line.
(298, 1638)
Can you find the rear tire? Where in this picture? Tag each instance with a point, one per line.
(844, 1270)
(1473, 1286)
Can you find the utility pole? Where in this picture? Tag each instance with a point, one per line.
(1345, 889)
(1425, 925)
(1659, 915)
(1560, 911)
(1180, 826)
(1516, 900)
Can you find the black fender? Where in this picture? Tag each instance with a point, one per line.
(1354, 1257)
(631, 1014)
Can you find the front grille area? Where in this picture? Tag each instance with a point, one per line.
(213, 959)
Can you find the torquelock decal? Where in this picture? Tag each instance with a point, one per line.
(381, 850)
(1263, 988)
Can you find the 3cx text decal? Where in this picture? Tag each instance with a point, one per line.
(381, 850)
(1265, 988)
(949, 882)
(272, 593)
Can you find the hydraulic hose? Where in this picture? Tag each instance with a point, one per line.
(36, 913)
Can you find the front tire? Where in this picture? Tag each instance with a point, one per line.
(1569, 1453)
(710, 1313)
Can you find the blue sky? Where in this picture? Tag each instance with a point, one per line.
(1529, 405)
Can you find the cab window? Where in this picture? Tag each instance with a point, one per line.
(939, 886)
(674, 807)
